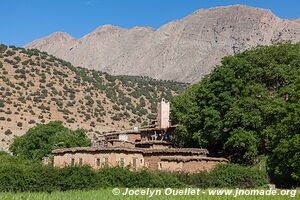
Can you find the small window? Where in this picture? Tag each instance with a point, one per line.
(122, 162)
(134, 162)
(72, 162)
(98, 162)
(80, 162)
(106, 161)
(141, 161)
(160, 166)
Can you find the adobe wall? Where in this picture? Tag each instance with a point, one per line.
(160, 146)
(201, 165)
(153, 146)
(117, 143)
(171, 166)
(90, 158)
(151, 162)
(134, 137)
(188, 166)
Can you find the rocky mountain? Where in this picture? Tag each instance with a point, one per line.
(297, 20)
(38, 88)
(182, 50)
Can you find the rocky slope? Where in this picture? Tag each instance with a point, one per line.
(38, 88)
(297, 20)
(182, 50)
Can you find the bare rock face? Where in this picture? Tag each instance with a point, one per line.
(297, 20)
(182, 50)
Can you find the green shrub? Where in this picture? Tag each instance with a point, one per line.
(75, 177)
(20, 175)
(2, 48)
(40, 140)
(1, 103)
(200, 179)
(19, 124)
(237, 176)
(31, 121)
(8, 132)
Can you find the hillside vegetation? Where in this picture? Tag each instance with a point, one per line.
(38, 88)
(247, 107)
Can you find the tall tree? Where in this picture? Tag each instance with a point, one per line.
(246, 107)
(40, 140)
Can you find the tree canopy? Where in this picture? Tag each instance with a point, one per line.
(40, 140)
(248, 106)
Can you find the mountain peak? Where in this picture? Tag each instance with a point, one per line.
(60, 36)
(231, 9)
(182, 50)
(297, 20)
(107, 27)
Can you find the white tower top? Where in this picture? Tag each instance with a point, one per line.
(163, 114)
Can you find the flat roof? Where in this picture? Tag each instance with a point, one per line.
(93, 149)
(153, 142)
(140, 130)
(193, 158)
(139, 150)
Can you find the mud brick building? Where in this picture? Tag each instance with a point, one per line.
(149, 147)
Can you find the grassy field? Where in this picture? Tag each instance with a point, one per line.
(107, 195)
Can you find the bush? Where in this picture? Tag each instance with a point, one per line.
(8, 132)
(40, 140)
(1, 103)
(31, 121)
(123, 177)
(236, 176)
(19, 175)
(19, 124)
(74, 178)
(227, 176)
(200, 180)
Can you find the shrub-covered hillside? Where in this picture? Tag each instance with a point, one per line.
(247, 107)
(38, 88)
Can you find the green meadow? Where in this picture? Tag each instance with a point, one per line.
(107, 195)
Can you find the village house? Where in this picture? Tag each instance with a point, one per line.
(149, 147)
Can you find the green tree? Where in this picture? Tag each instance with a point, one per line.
(40, 140)
(248, 106)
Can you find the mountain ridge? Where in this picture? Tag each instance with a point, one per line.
(38, 88)
(182, 50)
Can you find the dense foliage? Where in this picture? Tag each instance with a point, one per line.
(40, 140)
(18, 175)
(247, 107)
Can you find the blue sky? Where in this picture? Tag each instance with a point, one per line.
(25, 20)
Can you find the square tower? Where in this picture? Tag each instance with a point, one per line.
(163, 114)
